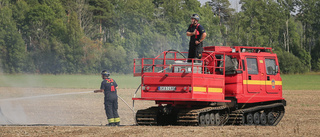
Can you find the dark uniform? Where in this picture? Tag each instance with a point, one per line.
(111, 100)
(195, 51)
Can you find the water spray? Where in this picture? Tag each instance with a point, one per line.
(5, 118)
(40, 96)
(8, 121)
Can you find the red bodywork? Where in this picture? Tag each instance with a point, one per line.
(168, 79)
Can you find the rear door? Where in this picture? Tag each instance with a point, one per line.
(253, 80)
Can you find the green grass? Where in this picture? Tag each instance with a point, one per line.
(301, 82)
(289, 82)
(65, 81)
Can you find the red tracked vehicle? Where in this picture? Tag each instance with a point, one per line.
(230, 85)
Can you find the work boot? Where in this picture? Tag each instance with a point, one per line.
(117, 124)
(111, 125)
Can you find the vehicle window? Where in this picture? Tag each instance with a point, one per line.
(270, 66)
(252, 66)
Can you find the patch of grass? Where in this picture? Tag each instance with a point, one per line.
(309, 81)
(65, 81)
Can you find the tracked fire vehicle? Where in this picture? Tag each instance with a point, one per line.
(228, 86)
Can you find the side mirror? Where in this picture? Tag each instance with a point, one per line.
(277, 70)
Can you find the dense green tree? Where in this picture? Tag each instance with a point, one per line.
(45, 33)
(11, 44)
(306, 14)
(295, 43)
(39, 20)
(102, 14)
(289, 64)
(250, 22)
(74, 51)
(212, 27)
(315, 53)
(85, 36)
(316, 57)
(221, 9)
(286, 8)
(19, 10)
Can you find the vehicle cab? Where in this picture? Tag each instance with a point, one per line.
(257, 78)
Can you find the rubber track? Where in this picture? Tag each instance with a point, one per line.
(147, 116)
(190, 117)
(236, 117)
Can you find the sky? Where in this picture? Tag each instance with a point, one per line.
(234, 4)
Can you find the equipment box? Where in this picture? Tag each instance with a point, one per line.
(185, 67)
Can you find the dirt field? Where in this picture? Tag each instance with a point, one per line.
(61, 112)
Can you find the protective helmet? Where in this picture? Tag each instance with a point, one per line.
(195, 16)
(105, 73)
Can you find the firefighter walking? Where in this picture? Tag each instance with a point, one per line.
(109, 88)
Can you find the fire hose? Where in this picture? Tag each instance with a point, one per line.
(126, 103)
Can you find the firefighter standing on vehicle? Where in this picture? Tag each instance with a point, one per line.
(198, 34)
(109, 87)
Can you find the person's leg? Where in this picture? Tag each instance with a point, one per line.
(199, 50)
(115, 112)
(109, 112)
(192, 51)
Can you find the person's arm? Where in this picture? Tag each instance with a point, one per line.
(99, 90)
(191, 33)
(202, 38)
(115, 84)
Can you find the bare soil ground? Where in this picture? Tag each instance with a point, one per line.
(55, 112)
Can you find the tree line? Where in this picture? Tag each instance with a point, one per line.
(86, 36)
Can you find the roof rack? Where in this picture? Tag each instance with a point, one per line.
(238, 49)
(252, 49)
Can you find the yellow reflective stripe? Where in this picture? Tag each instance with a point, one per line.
(111, 120)
(268, 82)
(261, 82)
(204, 89)
(200, 89)
(217, 90)
(117, 119)
(254, 82)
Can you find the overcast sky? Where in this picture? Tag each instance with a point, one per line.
(234, 3)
